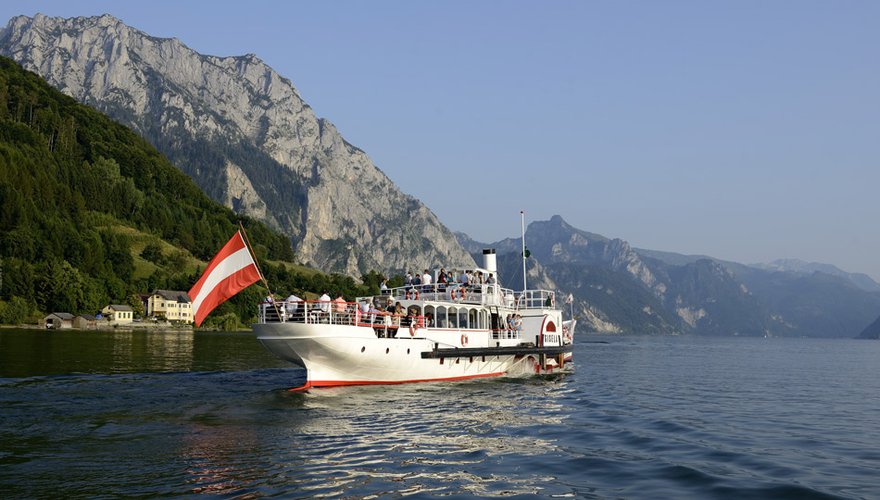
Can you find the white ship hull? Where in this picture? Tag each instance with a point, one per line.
(336, 355)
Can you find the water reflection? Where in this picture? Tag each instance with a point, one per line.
(425, 438)
(27, 353)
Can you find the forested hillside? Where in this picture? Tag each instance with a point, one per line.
(92, 214)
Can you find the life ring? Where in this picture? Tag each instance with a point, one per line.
(413, 328)
(452, 293)
(464, 339)
(414, 294)
(463, 294)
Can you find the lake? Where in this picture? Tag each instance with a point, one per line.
(89, 414)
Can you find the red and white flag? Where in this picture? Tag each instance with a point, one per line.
(230, 271)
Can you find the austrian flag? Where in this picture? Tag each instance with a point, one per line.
(230, 271)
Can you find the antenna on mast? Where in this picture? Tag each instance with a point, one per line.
(522, 215)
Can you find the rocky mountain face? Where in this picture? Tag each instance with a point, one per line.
(245, 135)
(619, 289)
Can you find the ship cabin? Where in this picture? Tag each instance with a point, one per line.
(480, 305)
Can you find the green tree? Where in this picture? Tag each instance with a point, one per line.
(14, 312)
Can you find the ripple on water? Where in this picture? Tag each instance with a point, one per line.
(653, 418)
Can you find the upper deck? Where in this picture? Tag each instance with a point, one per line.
(477, 294)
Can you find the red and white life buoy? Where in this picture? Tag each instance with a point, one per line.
(452, 293)
(412, 294)
(464, 339)
(413, 328)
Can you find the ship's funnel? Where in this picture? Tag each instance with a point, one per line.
(489, 263)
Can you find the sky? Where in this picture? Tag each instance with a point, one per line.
(745, 130)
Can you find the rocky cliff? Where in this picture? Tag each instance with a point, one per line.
(245, 135)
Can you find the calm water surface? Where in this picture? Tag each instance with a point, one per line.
(178, 414)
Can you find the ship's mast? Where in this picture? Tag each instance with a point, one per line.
(522, 215)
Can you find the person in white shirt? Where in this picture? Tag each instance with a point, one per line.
(324, 302)
(292, 305)
(426, 281)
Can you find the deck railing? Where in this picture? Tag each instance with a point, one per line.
(333, 313)
(482, 294)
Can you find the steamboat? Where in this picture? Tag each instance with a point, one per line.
(447, 330)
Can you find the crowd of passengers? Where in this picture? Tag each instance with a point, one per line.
(385, 318)
(425, 281)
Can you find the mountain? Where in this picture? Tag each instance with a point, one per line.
(872, 331)
(92, 214)
(83, 196)
(621, 289)
(244, 134)
(797, 266)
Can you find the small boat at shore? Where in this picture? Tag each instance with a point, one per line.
(448, 331)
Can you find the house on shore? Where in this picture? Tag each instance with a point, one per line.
(172, 305)
(85, 322)
(118, 314)
(58, 320)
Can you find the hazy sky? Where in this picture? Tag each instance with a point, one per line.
(745, 130)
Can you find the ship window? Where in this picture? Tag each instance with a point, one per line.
(441, 317)
(453, 317)
(430, 314)
(462, 318)
(472, 315)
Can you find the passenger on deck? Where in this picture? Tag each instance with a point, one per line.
(426, 281)
(384, 286)
(491, 279)
(324, 302)
(463, 279)
(441, 280)
(407, 280)
(411, 317)
(292, 305)
(375, 319)
(339, 304)
(389, 317)
(365, 311)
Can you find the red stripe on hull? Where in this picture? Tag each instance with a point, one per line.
(341, 383)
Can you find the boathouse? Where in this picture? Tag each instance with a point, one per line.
(58, 320)
(85, 322)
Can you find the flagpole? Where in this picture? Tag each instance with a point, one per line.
(247, 242)
(522, 215)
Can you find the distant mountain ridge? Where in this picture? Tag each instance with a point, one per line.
(621, 289)
(245, 135)
(798, 266)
